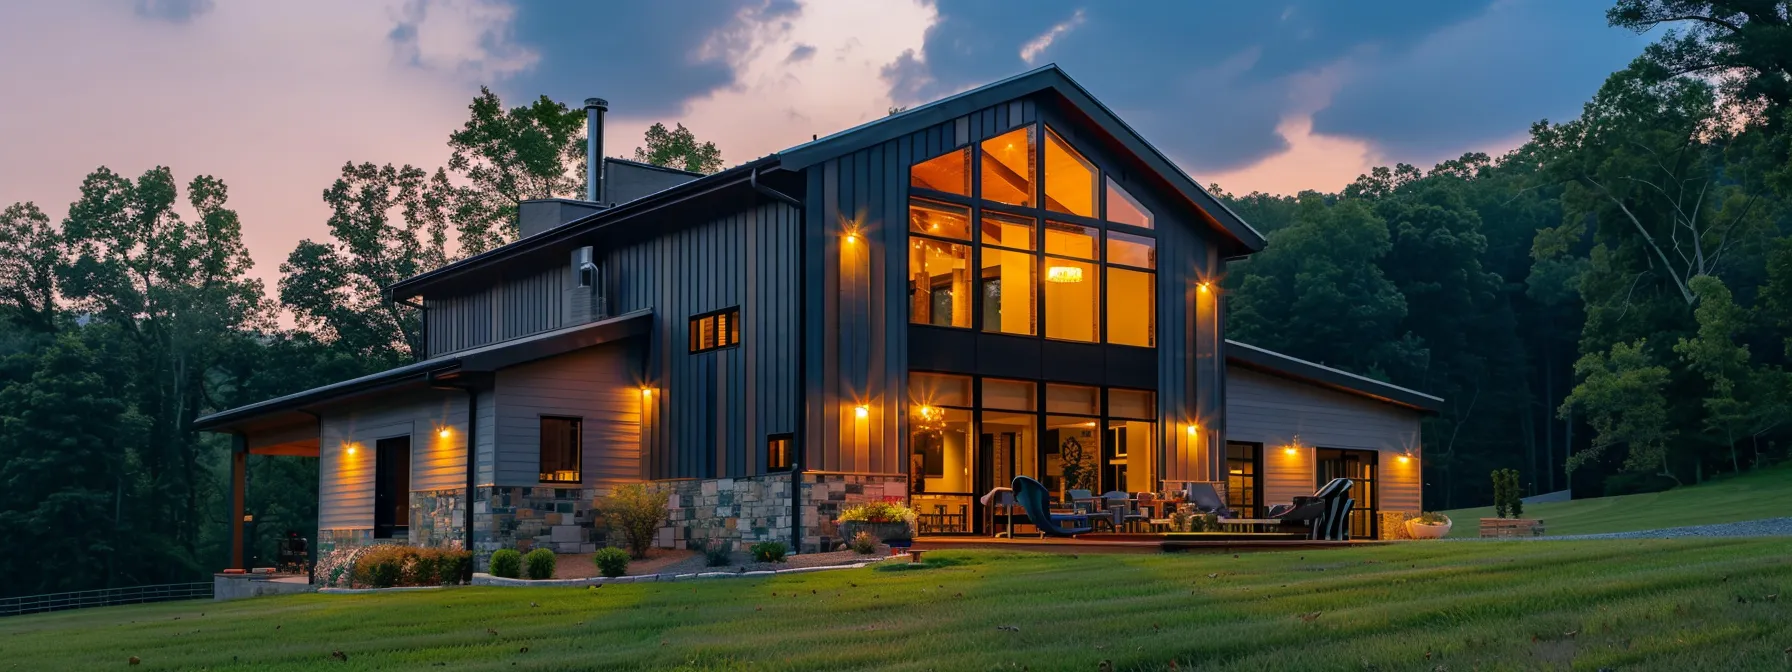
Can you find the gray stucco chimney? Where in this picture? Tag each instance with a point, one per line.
(594, 148)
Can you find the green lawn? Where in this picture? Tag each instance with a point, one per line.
(1750, 496)
(1627, 605)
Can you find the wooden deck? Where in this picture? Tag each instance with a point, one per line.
(1216, 542)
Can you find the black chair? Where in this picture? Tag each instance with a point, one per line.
(1035, 500)
(1325, 514)
(1204, 498)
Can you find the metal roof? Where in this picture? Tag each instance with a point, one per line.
(1343, 381)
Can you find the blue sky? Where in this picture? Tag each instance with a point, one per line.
(273, 97)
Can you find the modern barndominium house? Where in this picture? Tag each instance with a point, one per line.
(917, 309)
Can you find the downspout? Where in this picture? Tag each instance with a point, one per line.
(472, 454)
(802, 357)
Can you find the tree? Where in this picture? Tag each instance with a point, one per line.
(175, 293)
(509, 156)
(387, 224)
(1620, 395)
(678, 148)
(31, 255)
(1316, 292)
(1744, 43)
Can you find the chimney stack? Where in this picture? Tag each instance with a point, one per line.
(594, 148)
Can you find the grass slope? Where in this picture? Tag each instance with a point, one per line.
(1750, 496)
(1630, 605)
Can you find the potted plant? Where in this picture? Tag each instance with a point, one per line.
(1429, 525)
(894, 524)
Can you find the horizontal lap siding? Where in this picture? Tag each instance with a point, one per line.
(345, 487)
(595, 385)
(1265, 409)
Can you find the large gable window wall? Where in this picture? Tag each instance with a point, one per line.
(1056, 254)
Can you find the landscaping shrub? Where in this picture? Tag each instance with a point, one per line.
(539, 564)
(611, 561)
(770, 551)
(864, 543)
(1507, 494)
(718, 553)
(636, 511)
(425, 567)
(507, 563)
(877, 512)
(1433, 518)
(384, 565)
(336, 568)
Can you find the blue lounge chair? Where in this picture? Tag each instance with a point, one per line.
(1034, 499)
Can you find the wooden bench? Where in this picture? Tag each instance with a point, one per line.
(914, 556)
(1505, 528)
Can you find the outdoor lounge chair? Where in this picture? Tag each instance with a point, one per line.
(1325, 513)
(1035, 500)
(1203, 498)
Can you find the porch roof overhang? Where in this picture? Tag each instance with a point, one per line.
(1294, 368)
(290, 422)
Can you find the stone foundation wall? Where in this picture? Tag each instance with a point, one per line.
(437, 518)
(564, 520)
(737, 511)
(330, 540)
(824, 495)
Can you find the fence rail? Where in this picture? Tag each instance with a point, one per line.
(105, 597)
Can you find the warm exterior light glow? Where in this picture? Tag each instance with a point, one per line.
(351, 449)
(862, 411)
(1193, 428)
(1291, 450)
(1405, 458)
(851, 237)
(1203, 287)
(646, 392)
(1064, 274)
(444, 433)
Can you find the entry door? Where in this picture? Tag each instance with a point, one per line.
(1359, 466)
(391, 486)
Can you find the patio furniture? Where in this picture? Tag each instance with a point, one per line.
(1081, 501)
(1035, 499)
(1204, 498)
(1000, 497)
(1143, 506)
(1326, 513)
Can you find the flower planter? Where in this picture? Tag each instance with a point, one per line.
(1420, 530)
(896, 534)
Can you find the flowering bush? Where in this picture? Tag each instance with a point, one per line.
(387, 565)
(878, 512)
(336, 568)
(1432, 518)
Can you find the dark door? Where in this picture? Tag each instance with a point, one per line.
(1358, 466)
(391, 486)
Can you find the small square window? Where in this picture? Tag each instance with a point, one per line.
(713, 331)
(780, 452)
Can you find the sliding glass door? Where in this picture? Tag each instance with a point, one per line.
(1358, 466)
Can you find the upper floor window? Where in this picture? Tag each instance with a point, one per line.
(560, 441)
(1015, 256)
(780, 454)
(712, 331)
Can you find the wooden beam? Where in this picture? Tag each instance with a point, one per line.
(239, 464)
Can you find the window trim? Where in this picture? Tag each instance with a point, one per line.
(732, 332)
(578, 452)
(789, 462)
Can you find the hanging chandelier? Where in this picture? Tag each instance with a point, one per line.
(1066, 274)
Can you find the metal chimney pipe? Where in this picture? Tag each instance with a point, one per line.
(594, 148)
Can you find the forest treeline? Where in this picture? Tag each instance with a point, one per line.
(1608, 305)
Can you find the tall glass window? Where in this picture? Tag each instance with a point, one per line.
(1069, 178)
(1008, 167)
(1132, 290)
(940, 468)
(1008, 277)
(939, 270)
(1244, 471)
(1124, 209)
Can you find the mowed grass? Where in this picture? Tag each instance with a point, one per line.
(1766, 493)
(1624, 605)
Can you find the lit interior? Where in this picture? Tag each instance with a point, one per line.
(1124, 209)
(946, 173)
(1069, 178)
(1008, 167)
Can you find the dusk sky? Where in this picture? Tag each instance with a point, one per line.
(273, 97)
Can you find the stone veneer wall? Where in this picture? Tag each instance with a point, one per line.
(437, 518)
(824, 495)
(564, 520)
(737, 511)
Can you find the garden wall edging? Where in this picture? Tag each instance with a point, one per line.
(483, 579)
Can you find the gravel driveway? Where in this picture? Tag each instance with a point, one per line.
(1768, 527)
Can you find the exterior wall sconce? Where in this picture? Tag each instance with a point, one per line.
(862, 411)
(1202, 287)
(1405, 458)
(351, 449)
(1293, 446)
(1193, 428)
(646, 393)
(852, 237)
(444, 433)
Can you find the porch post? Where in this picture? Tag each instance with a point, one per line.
(239, 463)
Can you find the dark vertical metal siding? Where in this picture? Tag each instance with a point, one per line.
(516, 306)
(713, 410)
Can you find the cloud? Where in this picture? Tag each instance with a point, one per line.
(270, 97)
(173, 11)
(1481, 80)
(1209, 83)
(1030, 51)
(800, 53)
(465, 37)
